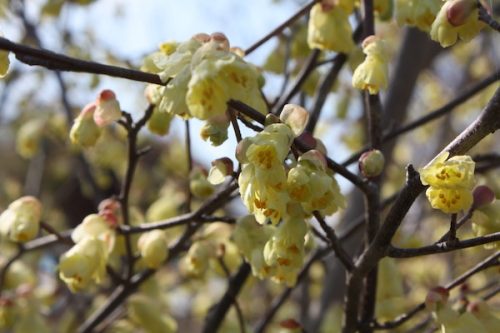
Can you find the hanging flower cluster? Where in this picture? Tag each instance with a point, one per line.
(282, 194)
(202, 75)
(451, 181)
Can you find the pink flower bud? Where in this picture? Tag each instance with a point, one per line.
(107, 108)
(436, 296)
(459, 10)
(221, 168)
(483, 195)
(201, 37)
(221, 40)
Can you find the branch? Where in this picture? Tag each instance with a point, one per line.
(486, 263)
(281, 27)
(55, 61)
(217, 313)
(486, 18)
(445, 109)
(442, 247)
(487, 122)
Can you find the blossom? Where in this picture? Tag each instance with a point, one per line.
(83, 263)
(309, 183)
(457, 19)
(94, 225)
(153, 248)
(85, 131)
(285, 249)
(250, 237)
(372, 73)
(263, 177)
(20, 222)
(450, 181)
(329, 28)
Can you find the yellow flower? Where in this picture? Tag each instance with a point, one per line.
(309, 184)
(448, 200)
(207, 94)
(85, 131)
(372, 74)
(329, 29)
(456, 172)
(20, 222)
(457, 19)
(107, 108)
(450, 181)
(94, 225)
(153, 248)
(83, 263)
(250, 237)
(285, 250)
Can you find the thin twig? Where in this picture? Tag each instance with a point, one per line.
(281, 27)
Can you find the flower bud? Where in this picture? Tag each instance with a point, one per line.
(84, 131)
(436, 297)
(296, 117)
(241, 150)
(20, 222)
(221, 40)
(371, 163)
(291, 324)
(153, 247)
(458, 11)
(107, 108)
(221, 168)
(483, 195)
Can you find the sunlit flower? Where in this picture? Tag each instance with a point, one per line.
(457, 19)
(329, 28)
(20, 222)
(419, 13)
(85, 131)
(83, 263)
(450, 181)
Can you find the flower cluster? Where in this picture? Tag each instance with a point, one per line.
(419, 13)
(282, 194)
(202, 75)
(86, 129)
(457, 19)
(451, 181)
(20, 222)
(372, 73)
